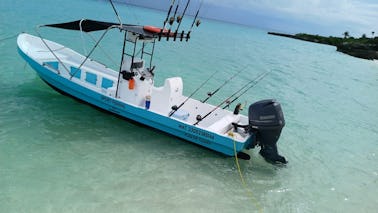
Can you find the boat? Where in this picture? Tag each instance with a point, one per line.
(130, 92)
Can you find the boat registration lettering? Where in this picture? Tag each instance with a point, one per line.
(195, 137)
(196, 131)
(111, 101)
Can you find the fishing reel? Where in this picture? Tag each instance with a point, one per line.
(238, 108)
(172, 19)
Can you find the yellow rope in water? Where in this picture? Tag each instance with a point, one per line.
(249, 192)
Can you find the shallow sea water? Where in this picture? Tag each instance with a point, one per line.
(59, 155)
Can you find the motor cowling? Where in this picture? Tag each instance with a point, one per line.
(266, 121)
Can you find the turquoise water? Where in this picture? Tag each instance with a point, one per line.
(59, 155)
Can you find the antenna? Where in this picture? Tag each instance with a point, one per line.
(119, 18)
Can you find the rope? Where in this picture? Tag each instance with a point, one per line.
(103, 51)
(7, 38)
(248, 190)
(52, 52)
(90, 53)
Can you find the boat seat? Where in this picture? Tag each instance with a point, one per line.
(163, 98)
(224, 124)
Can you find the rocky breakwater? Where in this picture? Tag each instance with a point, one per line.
(360, 50)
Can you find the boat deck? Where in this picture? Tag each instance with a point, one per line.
(98, 77)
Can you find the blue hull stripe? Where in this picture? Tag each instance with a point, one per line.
(188, 132)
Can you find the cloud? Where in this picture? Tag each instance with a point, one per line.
(361, 15)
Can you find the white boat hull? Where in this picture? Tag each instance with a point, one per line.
(212, 135)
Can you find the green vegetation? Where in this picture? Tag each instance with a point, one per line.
(363, 47)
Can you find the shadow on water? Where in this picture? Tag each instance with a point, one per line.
(77, 116)
(82, 122)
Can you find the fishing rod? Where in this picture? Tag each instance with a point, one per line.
(172, 20)
(227, 100)
(169, 13)
(175, 108)
(210, 94)
(166, 19)
(254, 83)
(115, 10)
(179, 20)
(194, 21)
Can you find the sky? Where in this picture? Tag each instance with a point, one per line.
(323, 17)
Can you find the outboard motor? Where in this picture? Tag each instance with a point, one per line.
(266, 121)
